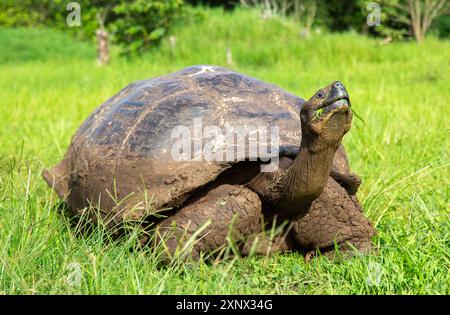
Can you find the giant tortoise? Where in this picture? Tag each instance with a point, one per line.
(186, 142)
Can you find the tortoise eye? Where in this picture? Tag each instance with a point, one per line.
(320, 94)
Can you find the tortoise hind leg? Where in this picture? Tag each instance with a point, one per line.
(224, 213)
(333, 218)
(58, 178)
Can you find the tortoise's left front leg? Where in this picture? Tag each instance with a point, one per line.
(335, 217)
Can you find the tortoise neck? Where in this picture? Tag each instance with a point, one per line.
(307, 176)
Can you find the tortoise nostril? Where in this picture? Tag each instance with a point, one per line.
(338, 84)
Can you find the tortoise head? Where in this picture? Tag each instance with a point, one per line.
(327, 115)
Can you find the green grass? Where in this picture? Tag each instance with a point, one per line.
(50, 83)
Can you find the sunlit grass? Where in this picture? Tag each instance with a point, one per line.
(49, 83)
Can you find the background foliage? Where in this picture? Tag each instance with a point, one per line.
(139, 24)
(134, 24)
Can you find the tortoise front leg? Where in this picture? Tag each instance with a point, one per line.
(333, 218)
(208, 224)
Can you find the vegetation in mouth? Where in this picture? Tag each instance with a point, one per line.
(357, 115)
(319, 113)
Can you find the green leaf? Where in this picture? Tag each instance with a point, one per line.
(319, 113)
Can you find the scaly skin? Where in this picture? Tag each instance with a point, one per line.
(233, 211)
(333, 217)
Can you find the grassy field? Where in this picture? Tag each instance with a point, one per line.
(49, 83)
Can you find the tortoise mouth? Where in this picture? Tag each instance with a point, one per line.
(340, 103)
(337, 100)
(333, 106)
